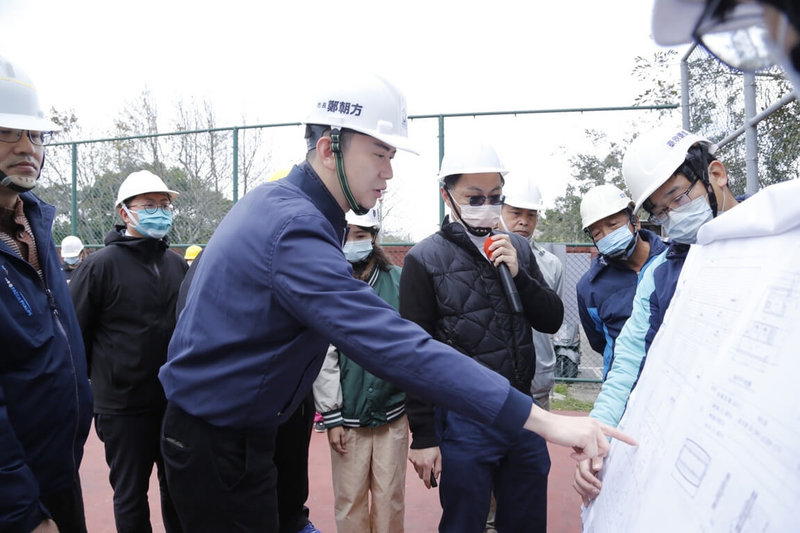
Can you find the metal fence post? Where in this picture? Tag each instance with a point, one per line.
(750, 133)
(440, 118)
(685, 88)
(235, 165)
(74, 207)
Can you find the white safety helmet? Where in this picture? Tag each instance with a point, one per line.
(368, 220)
(365, 103)
(522, 193)
(71, 246)
(602, 201)
(19, 103)
(142, 182)
(653, 157)
(470, 157)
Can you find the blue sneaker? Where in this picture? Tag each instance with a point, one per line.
(309, 528)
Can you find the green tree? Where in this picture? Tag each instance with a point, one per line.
(562, 223)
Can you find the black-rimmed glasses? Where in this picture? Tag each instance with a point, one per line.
(660, 216)
(151, 209)
(39, 138)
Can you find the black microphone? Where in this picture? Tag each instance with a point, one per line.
(505, 279)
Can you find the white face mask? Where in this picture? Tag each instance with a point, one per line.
(357, 251)
(481, 216)
(683, 223)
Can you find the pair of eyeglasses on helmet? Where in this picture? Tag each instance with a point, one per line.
(735, 33)
(658, 215)
(151, 209)
(39, 138)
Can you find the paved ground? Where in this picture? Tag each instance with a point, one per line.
(422, 505)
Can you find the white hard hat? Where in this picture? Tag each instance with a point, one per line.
(142, 182)
(19, 103)
(366, 103)
(675, 20)
(653, 157)
(368, 220)
(470, 157)
(602, 201)
(71, 246)
(522, 192)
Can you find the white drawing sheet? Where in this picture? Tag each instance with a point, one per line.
(717, 407)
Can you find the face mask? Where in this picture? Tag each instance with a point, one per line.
(481, 216)
(154, 225)
(72, 260)
(615, 244)
(682, 223)
(357, 251)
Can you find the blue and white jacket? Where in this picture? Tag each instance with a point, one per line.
(653, 295)
(273, 291)
(605, 298)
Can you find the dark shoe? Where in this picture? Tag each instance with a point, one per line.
(309, 528)
(319, 427)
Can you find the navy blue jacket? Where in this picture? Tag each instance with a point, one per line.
(605, 298)
(650, 303)
(45, 400)
(273, 291)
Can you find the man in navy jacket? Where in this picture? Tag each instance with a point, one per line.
(256, 326)
(45, 400)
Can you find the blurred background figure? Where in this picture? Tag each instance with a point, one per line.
(72, 254)
(191, 253)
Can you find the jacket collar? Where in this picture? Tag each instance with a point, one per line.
(305, 178)
(144, 244)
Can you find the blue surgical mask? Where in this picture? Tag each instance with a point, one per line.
(683, 222)
(357, 251)
(615, 244)
(72, 260)
(153, 225)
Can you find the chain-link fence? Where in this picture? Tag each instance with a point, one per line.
(213, 168)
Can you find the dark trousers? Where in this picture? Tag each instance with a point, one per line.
(66, 508)
(132, 448)
(291, 460)
(221, 479)
(477, 459)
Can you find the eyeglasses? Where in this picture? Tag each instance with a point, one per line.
(39, 138)
(660, 215)
(151, 209)
(493, 199)
(735, 34)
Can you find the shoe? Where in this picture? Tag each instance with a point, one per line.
(319, 427)
(309, 528)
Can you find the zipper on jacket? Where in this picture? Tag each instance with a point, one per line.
(60, 326)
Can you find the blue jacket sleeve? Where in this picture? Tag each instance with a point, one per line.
(629, 352)
(321, 291)
(20, 509)
(591, 324)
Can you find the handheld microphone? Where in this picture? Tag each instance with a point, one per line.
(505, 279)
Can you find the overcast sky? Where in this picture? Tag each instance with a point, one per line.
(254, 59)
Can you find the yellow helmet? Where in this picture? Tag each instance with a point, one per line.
(191, 252)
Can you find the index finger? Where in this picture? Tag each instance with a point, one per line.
(619, 435)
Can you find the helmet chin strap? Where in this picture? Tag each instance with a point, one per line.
(474, 230)
(336, 147)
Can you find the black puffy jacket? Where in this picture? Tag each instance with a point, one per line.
(455, 294)
(125, 295)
